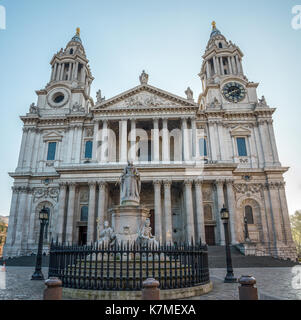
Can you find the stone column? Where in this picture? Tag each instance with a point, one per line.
(156, 156)
(20, 219)
(186, 151)
(265, 140)
(269, 217)
(233, 65)
(220, 203)
(76, 71)
(212, 141)
(123, 138)
(12, 218)
(25, 239)
(207, 70)
(62, 71)
(200, 223)
(101, 201)
(167, 211)
(70, 213)
(276, 210)
(285, 215)
(79, 143)
(95, 141)
(36, 150)
(189, 211)
(232, 209)
(104, 142)
(91, 213)
(28, 148)
(57, 77)
(165, 141)
(230, 66)
(53, 72)
(222, 66)
(237, 64)
(133, 152)
(158, 210)
(273, 142)
(22, 149)
(193, 138)
(259, 146)
(216, 70)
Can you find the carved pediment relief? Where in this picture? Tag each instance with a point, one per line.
(144, 97)
(240, 131)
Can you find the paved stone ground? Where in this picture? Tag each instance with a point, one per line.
(272, 283)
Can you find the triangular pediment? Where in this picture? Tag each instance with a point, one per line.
(144, 97)
(240, 131)
(52, 136)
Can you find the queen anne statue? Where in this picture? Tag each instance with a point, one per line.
(130, 186)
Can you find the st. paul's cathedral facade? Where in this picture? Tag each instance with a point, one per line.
(194, 157)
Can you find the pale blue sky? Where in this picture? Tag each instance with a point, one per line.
(167, 39)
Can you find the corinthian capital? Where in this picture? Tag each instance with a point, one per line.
(167, 182)
(101, 184)
(157, 182)
(198, 182)
(188, 182)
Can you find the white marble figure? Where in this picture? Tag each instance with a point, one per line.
(107, 236)
(99, 98)
(189, 94)
(143, 78)
(262, 101)
(145, 236)
(130, 185)
(33, 109)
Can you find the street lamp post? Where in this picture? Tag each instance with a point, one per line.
(43, 216)
(247, 238)
(230, 276)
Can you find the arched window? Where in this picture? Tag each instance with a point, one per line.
(71, 51)
(220, 45)
(249, 214)
(208, 212)
(84, 213)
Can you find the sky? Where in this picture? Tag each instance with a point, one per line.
(167, 38)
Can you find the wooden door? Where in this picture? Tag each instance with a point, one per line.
(82, 236)
(210, 235)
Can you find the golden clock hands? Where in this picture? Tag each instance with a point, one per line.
(234, 91)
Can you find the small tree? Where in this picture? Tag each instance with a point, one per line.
(296, 230)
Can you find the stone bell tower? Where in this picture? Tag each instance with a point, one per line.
(68, 90)
(223, 80)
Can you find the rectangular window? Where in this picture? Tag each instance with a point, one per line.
(51, 151)
(203, 147)
(242, 147)
(88, 150)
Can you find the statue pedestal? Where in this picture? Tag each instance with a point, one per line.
(127, 221)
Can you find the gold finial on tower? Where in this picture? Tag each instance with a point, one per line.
(213, 24)
(78, 31)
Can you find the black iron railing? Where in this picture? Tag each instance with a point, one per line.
(125, 266)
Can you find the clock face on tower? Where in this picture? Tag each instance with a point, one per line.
(234, 92)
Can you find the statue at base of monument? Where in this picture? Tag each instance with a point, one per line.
(107, 236)
(130, 185)
(145, 237)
